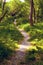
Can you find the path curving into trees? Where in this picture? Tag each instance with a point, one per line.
(21, 51)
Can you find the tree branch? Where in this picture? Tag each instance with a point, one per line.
(3, 16)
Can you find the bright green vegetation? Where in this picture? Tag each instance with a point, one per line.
(34, 56)
(35, 32)
(9, 37)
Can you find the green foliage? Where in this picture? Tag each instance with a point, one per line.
(21, 21)
(34, 57)
(36, 33)
(9, 37)
(9, 34)
(30, 56)
(4, 50)
(41, 9)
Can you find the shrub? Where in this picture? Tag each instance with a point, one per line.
(4, 50)
(31, 55)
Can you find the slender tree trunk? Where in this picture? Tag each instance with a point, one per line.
(3, 13)
(3, 16)
(31, 13)
(34, 15)
(3, 5)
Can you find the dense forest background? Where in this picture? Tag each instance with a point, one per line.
(26, 15)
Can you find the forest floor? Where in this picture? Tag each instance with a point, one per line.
(19, 59)
(29, 33)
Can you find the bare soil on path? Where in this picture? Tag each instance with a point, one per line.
(21, 51)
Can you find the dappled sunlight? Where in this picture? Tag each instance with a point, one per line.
(24, 44)
(36, 33)
(21, 32)
(22, 0)
(26, 35)
(23, 47)
(7, 0)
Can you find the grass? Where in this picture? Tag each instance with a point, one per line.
(34, 56)
(9, 37)
(35, 32)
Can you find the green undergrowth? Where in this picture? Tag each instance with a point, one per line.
(34, 56)
(9, 37)
(35, 32)
(22, 26)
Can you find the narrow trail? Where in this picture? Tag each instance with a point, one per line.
(25, 43)
(19, 59)
(21, 51)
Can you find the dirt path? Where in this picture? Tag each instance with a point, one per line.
(20, 55)
(19, 59)
(25, 43)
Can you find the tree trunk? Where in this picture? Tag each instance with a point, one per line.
(3, 16)
(34, 15)
(31, 13)
(3, 5)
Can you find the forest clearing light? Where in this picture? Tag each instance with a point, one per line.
(23, 47)
(22, 0)
(7, 0)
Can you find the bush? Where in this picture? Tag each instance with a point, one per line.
(22, 21)
(31, 55)
(9, 38)
(4, 50)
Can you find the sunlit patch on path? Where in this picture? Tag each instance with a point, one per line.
(25, 44)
